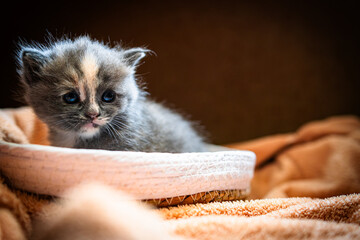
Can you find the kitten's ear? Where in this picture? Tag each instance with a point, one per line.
(133, 56)
(32, 61)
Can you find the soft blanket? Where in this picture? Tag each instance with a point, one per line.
(82, 217)
(321, 159)
(309, 183)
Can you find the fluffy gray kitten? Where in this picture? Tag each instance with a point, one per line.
(87, 94)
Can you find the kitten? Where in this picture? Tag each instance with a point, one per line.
(87, 94)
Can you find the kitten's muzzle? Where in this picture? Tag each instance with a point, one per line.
(94, 121)
(91, 125)
(92, 115)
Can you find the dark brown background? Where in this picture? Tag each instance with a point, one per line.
(244, 69)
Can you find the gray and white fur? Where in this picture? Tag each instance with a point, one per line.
(87, 94)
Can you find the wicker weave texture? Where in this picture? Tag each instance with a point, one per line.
(203, 197)
(52, 170)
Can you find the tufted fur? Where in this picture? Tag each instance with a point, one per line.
(132, 122)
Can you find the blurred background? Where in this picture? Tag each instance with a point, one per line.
(242, 69)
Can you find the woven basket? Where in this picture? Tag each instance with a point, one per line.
(161, 179)
(203, 197)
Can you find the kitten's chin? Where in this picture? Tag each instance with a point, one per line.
(89, 130)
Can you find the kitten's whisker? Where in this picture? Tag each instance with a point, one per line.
(110, 133)
(120, 134)
(120, 124)
(116, 135)
(67, 124)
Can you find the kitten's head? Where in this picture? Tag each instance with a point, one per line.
(79, 85)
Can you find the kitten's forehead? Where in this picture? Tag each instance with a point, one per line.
(90, 68)
(86, 67)
(89, 80)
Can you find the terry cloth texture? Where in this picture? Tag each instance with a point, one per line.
(116, 218)
(320, 163)
(321, 159)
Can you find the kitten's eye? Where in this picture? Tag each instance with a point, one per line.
(71, 97)
(108, 96)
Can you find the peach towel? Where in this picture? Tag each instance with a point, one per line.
(118, 218)
(320, 160)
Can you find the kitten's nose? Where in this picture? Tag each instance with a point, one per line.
(92, 115)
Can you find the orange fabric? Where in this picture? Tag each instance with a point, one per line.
(22, 126)
(329, 209)
(284, 218)
(14, 219)
(321, 159)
